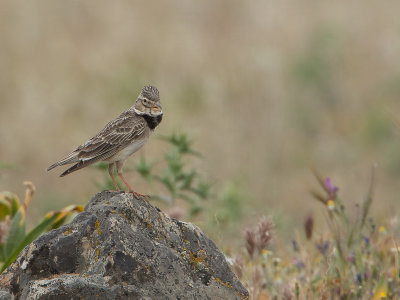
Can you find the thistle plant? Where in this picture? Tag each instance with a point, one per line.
(177, 180)
(251, 266)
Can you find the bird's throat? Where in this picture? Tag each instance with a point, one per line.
(152, 121)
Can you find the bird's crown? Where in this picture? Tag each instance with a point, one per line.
(150, 92)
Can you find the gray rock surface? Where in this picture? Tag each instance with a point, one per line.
(121, 247)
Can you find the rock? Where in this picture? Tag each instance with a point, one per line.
(121, 247)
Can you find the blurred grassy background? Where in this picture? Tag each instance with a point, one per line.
(266, 89)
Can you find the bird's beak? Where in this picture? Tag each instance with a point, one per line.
(157, 108)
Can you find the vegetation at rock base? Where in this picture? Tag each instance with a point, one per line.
(13, 234)
(355, 258)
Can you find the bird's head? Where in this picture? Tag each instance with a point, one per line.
(148, 102)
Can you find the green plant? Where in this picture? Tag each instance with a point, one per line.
(314, 69)
(4, 165)
(227, 208)
(177, 179)
(13, 234)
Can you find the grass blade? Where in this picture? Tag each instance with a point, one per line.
(33, 234)
(16, 232)
(368, 200)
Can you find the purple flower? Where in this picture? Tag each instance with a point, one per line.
(367, 275)
(295, 246)
(323, 247)
(331, 188)
(359, 278)
(298, 263)
(351, 258)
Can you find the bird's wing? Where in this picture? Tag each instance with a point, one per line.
(115, 136)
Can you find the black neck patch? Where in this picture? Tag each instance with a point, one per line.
(152, 121)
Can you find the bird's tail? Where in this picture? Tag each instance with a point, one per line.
(69, 159)
(81, 164)
(74, 168)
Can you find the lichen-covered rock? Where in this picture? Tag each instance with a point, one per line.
(121, 247)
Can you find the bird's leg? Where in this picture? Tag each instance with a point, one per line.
(119, 171)
(110, 171)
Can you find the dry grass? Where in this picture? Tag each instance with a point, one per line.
(267, 89)
(354, 259)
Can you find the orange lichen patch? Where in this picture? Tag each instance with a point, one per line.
(147, 221)
(67, 232)
(125, 217)
(98, 252)
(227, 284)
(262, 296)
(97, 225)
(198, 258)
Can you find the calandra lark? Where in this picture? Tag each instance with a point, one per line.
(120, 138)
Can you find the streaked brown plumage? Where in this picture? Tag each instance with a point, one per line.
(120, 138)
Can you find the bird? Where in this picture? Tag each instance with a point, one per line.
(119, 139)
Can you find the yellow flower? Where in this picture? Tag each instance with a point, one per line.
(331, 204)
(265, 252)
(278, 279)
(382, 229)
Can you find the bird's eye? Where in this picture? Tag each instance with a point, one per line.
(145, 101)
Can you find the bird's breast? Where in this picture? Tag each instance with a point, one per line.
(128, 150)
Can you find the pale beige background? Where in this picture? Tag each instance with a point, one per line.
(265, 88)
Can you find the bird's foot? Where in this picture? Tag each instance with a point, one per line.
(118, 191)
(136, 194)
